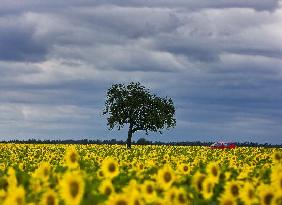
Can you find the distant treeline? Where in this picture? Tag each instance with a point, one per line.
(141, 141)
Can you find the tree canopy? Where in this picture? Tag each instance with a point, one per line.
(133, 104)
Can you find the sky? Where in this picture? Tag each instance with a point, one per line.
(220, 61)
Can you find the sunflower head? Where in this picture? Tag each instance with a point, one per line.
(248, 194)
(11, 179)
(233, 187)
(165, 177)
(72, 188)
(140, 167)
(208, 187)
(118, 199)
(198, 180)
(106, 187)
(267, 195)
(227, 199)
(277, 157)
(184, 168)
(43, 171)
(181, 197)
(100, 174)
(148, 191)
(135, 198)
(213, 170)
(170, 195)
(166, 157)
(276, 179)
(16, 196)
(2, 167)
(110, 168)
(72, 157)
(49, 198)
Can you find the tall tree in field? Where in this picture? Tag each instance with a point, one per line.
(134, 105)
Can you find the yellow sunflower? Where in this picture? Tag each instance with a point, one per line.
(165, 177)
(37, 186)
(148, 191)
(106, 187)
(160, 201)
(181, 197)
(208, 186)
(227, 199)
(100, 174)
(72, 188)
(170, 195)
(3, 195)
(110, 168)
(12, 179)
(184, 168)
(135, 198)
(118, 199)
(49, 198)
(198, 180)
(166, 157)
(2, 167)
(140, 166)
(266, 195)
(276, 179)
(248, 194)
(277, 157)
(233, 188)
(213, 170)
(16, 196)
(71, 157)
(43, 171)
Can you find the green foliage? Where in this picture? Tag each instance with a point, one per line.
(133, 104)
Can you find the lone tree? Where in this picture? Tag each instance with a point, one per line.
(134, 105)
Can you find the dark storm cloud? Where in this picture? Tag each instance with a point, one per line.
(17, 42)
(220, 61)
(7, 5)
(129, 21)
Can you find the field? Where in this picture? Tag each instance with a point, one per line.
(111, 174)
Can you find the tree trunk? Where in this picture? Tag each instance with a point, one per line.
(129, 136)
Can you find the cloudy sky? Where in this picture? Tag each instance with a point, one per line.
(220, 61)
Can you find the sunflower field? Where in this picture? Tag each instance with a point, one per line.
(36, 174)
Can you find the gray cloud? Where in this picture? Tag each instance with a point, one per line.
(17, 42)
(259, 5)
